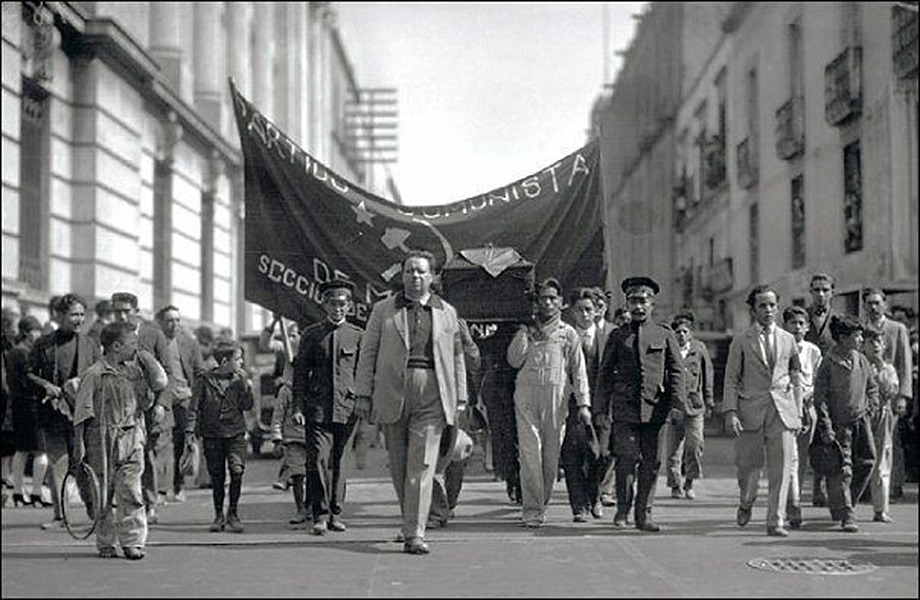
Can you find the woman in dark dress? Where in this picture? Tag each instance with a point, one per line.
(25, 405)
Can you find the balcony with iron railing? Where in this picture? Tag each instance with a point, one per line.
(904, 42)
(843, 86)
(714, 163)
(790, 128)
(746, 161)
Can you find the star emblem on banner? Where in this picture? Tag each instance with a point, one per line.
(362, 215)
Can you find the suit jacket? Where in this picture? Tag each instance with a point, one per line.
(152, 339)
(640, 388)
(190, 359)
(324, 372)
(821, 336)
(41, 363)
(384, 354)
(750, 387)
(698, 378)
(898, 353)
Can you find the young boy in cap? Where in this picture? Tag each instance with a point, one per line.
(548, 356)
(641, 378)
(685, 427)
(795, 321)
(215, 414)
(846, 397)
(324, 402)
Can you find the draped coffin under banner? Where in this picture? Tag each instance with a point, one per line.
(305, 224)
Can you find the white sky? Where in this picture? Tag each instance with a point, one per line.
(488, 92)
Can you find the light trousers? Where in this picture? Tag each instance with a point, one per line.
(777, 443)
(412, 445)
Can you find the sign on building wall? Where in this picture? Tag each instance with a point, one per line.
(305, 224)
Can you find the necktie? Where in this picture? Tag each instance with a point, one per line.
(768, 348)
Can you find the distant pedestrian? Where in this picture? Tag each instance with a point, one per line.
(795, 321)
(158, 419)
(292, 437)
(846, 398)
(26, 413)
(583, 469)
(108, 433)
(56, 364)
(686, 424)
(215, 416)
(185, 366)
(103, 310)
(762, 402)
(640, 380)
(898, 353)
(820, 313)
(882, 422)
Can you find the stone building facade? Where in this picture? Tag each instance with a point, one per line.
(121, 163)
(794, 151)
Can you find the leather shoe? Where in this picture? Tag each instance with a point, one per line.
(675, 493)
(882, 517)
(416, 547)
(620, 519)
(849, 526)
(689, 494)
(777, 531)
(608, 500)
(649, 526)
(597, 511)
(336, 524)
(796, 523)
(133, 553)
(744, 516)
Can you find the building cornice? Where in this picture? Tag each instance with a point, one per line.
(86, 37)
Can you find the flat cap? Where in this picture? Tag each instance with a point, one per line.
(336, 284)
(639, 286)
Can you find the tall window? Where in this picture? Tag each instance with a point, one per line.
(798, 222)
(752, 105)
(852, 198)
(162, 233)
(796, 71)
(34, 159)
(721, 92)
(754, 227)
(207, 256)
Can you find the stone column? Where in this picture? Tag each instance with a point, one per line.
(209, 61)
(239, 31)
(296, 56)
(263, 55)
(166, 44)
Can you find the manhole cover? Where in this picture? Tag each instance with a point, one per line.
(815, 566)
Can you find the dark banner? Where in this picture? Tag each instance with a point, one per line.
(306, 224)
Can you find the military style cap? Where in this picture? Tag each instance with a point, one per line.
(639, 286)
(336, 284)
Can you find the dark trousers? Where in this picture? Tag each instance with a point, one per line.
(225, 454)
(845, 487)
(149, 476)
(326, 444)
(636, 447)
(582, 469)
(180, 415)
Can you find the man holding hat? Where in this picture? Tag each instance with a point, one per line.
(547, 355)
(411, 379)
(641, 376)
(324, 401)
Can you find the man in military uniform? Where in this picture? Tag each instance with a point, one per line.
(324, 402)
(641, 376)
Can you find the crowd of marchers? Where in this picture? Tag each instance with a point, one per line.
(596, 389)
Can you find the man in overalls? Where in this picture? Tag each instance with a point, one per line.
(548, 355)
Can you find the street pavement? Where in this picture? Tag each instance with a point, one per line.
(483, 552)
